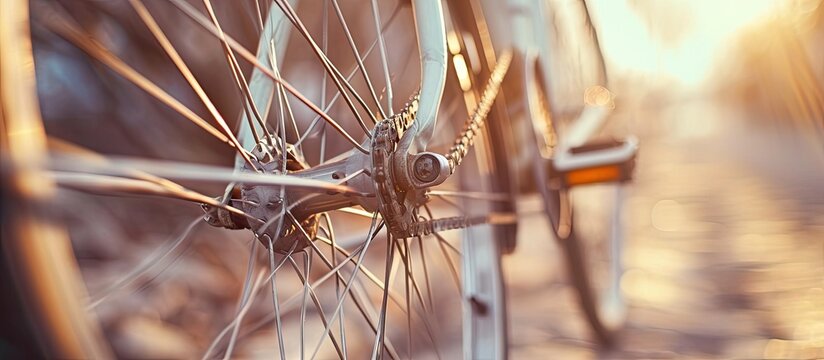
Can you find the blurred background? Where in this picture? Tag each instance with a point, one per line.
(725, 225)
(725, 235)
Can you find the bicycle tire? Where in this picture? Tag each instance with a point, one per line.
(599, 308)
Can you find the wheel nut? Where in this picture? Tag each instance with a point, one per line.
(426, 169)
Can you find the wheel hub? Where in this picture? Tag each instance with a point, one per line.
(269, 204)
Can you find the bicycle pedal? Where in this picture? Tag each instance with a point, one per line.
(594, 163)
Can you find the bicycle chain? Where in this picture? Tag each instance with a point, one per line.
(427, 227)
(399, 204)
(475, 123)
(422, 228)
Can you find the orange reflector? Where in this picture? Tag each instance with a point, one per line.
(593, 175)
(500, 218)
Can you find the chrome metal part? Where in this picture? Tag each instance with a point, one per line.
(428, 169)
(269, 203)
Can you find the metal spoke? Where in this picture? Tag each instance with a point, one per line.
(260, 86)
(103, 184)
(245, 294)
(376, 14)
(403, 250)
(440, 238)
(230, 326)
(425, 272)
(330, 265)
(259, 12)
(245, 97)
(250, 268)
(240, 314)
(303, 305)
(170, 50)
(291, 114)
(356, 211)
(410, 279)
(453, 270)
(328, 107)
(390, 259)
(190, 11)
(283, 99)
(328, 65)
(358, 58)
(373, 313)
(330, 232)
(57, 146)
(369, 274)
(369, 238)
(84, 42)
(276, 303)
(451, 203)
(358, 298)
(406, 267)
(443, 244)
(473, 195)
(238, 318)
(322, 152)
(352, 73)
(151, 262)
(240, 79)
(187, 171)
(337, 78)
(281, 116)
(309, 290)
(379, 283)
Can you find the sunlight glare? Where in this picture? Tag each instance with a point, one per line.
(631, 34)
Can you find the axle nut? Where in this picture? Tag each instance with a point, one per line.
(426, 168)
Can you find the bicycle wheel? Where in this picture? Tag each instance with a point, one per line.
(593, 253)
(298, 184)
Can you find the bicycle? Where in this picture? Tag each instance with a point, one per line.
(383, 178)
